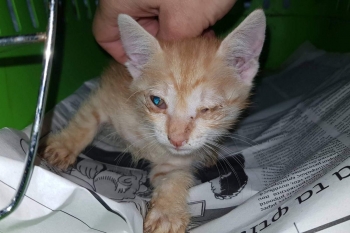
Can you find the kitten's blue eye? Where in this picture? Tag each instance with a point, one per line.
(156, 100)
(159, 102)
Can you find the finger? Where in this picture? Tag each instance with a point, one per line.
(150, 24)
(184, 19)
(116, 50)
(105, 25)
(208, 33)
(115, 47)
(105, 30)
(177, 22)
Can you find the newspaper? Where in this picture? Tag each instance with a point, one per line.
(284, 170)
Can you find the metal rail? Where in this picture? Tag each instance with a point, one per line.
(40, 108)
(25, 39)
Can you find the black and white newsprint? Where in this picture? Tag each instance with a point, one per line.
(286, 168)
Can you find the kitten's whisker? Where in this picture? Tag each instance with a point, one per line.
(233, 156)
(223, 169)
(233, 170)
(93, 146)
(147, 144)
(233, 137)
(120, 158)
(227, 163)
(215, 151)
(229, 134)
(129, 146)
(242, 140)
(133, 95)
(141, 139)
(215, 163)
(211, 156)
(227, 151)
(239, 135)
(150, 88)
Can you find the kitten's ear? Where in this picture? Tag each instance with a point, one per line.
(242, 47)
(138, 44)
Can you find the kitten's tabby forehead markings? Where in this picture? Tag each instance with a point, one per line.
(189, 64)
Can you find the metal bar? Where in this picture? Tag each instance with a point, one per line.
(25, 39)
(39, 114)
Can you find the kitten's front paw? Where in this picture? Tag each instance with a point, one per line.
(58, 152)
(166, 219)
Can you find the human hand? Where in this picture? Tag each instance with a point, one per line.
(164, 19)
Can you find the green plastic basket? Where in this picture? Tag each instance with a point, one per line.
(77, 58)
(325, 23)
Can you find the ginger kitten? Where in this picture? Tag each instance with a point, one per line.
(170, 104)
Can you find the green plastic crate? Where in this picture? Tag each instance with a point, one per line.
(77, 58)
(325, 23)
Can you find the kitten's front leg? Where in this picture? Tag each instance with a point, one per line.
(62, 149)
(169, 209)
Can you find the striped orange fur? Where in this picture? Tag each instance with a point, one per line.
(170, 103)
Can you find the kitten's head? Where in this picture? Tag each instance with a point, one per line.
(192, 91)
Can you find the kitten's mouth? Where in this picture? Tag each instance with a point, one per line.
(179, 151)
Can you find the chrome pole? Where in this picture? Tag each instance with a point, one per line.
(25, 39)
(39, 114)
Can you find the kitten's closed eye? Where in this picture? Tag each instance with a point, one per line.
(209, 109)
(204, 110)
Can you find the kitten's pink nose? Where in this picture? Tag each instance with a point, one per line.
(177, 141)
